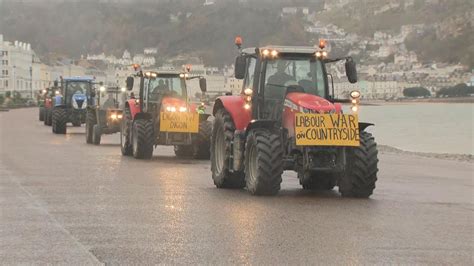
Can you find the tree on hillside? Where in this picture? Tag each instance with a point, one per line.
(460, 90)
(416, 92)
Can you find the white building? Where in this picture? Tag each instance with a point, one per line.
(16, 67)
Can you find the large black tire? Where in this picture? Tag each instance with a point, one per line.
(41, 113)
(91, 120)
(96, 134)
(221, 148)
(361, 170)
(143, 139)
(319, 181)
(48, 119)
(263, 162)
(202, 144)
(125, 133)
(59, 121)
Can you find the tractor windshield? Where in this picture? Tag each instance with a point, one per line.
(165, 85)
(301, 74)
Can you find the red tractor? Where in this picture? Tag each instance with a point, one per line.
(46, 105)
(286, 118)
(162, 115)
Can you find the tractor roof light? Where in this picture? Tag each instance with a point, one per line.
(123, 89)
(269, 53)
(43, 91)
(355, 94)
(136, 67)
(182, 75)
(56, 92)
(102, 88)
(247, 106)
(238, 41)
(322, 43)
(355, 108)
(154, 75)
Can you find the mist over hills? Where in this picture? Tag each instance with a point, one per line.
(75, 28)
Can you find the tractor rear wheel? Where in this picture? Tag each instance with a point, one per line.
(221, 149)
(96, 134)
(91, 120)
(202, 144)
(143, 139)
(125, 131)
(319, 181)
(263, 162)
(59, 120)
(41, 113)
(361, 171)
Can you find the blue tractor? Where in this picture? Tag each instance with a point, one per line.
(70, 105)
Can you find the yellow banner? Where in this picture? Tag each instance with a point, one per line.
(327, 130)
(179, 122)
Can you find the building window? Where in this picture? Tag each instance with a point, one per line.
(6, 83)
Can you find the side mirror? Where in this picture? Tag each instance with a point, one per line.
(203, 84)
(351, 70)
(240, 67)
(56, 83)
(130, 81)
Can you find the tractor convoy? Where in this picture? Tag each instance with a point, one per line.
(287, 117)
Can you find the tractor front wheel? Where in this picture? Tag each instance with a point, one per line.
(41, 114)
(59, 121)
(143, 139)
(361, 171)
(221, 149)
(90, 122)
(263, 162)
(48, 117)
(96, 134)
(202, 144)
(125, 132)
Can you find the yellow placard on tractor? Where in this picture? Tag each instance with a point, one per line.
(182, 122)
(327, 130)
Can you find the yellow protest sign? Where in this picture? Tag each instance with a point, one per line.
(327, 130)
(179, 122)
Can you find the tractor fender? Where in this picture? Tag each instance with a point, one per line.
(261, 124)
(133, 106)
(363, 125)
(234, 104)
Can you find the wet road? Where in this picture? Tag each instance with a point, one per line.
(62, 201)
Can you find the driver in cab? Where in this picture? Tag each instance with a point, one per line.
(276, 83)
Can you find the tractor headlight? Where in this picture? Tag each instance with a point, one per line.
(123, 89)
(119, 116)
(183, 109)
(170, 109)
(56, 92)
(113, 116)
(102, 88)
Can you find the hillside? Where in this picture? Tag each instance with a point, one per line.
(450, 24)
(74, 28)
